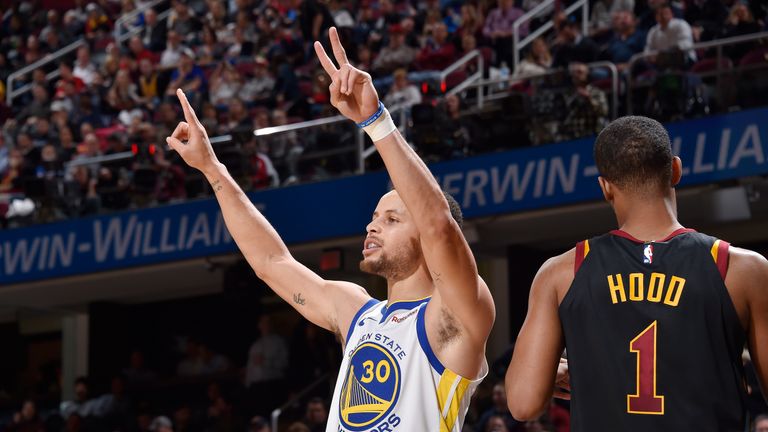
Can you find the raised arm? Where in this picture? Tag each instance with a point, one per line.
(328, 304)
(449, 259)
(531, 377)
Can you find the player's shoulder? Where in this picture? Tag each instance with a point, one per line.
(556, 274)
(747, 263)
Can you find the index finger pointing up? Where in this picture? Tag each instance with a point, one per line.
(189, 113)
(328, 65)
(338, 49)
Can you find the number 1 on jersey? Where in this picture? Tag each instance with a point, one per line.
(645, 400)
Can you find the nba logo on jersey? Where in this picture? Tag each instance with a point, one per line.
(648, 254)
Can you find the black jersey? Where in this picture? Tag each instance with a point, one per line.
(653, 340)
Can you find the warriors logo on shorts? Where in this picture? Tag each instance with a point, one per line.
(371, 387)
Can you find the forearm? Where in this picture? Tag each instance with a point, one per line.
(414, 182)
(256, 238)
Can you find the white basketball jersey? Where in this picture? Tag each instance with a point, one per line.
(390, 380)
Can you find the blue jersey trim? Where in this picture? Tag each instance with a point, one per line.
(421, 331)
(369, 304)
(400, 305)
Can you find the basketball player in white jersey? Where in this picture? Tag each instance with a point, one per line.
(411, 363)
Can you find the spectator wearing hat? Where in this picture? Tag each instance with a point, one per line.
(257, 89)
(498, 29)
(188, 77)
(395, 55)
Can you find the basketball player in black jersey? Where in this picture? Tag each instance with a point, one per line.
(654, 316)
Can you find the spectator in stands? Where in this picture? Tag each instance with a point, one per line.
(627, 39)
(238, 120)
(571, 46)
(537, 61)
(148, 86)
(316, 415)
(212, 362)
(761, 423)
(259, 424)
(123, 98)
(647, 12)
(172, 53)
(154, 33)
(192, 363)
(137, 372)
(257, 89)
(182, 418)
(82, 198)
(38, 107)
(11, 179)
(740, 22)
(471, 22)
(603, 12)
(67, 145)
(298, 427)
(52, 42)
(498, 410)
(261, 170)
(84, 69)
(670, 34)
(587, 106)
(496, 423)
(183, 22)
(457, 131)
(314, 19)
(225, 84)
(80, 404)
(188, 77)
(241, 47)
(265, 371)
(211, 50)
(33, 51)
(499, 27)
(402, 92)
(97, 23)
(396, 54)
(161, 424)
(219, 413)
(26, 420)
(438, 53)
(137, 51)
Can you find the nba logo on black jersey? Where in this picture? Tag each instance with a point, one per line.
(648, 254)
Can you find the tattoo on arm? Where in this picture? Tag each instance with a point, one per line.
(298, 299)
(216, 185)
(436, 278)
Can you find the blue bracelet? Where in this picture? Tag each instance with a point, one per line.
(372, 118)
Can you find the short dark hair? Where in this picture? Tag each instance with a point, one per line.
(634, 153)
(458, 216)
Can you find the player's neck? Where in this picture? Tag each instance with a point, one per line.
(413, 287)
(648, 219)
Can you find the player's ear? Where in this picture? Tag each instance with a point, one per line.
(677, 170)
(607, 189)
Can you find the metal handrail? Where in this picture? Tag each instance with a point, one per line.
(478, 75)
(117, 33)
(518, 45)
(275, 417)
(719, 44)
(12, 93)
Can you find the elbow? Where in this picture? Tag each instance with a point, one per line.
(523, 409)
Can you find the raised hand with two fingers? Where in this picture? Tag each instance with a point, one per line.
(352, 90)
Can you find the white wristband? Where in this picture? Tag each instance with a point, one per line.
(380, 128)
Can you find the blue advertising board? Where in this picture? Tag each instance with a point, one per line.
(712, 149)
